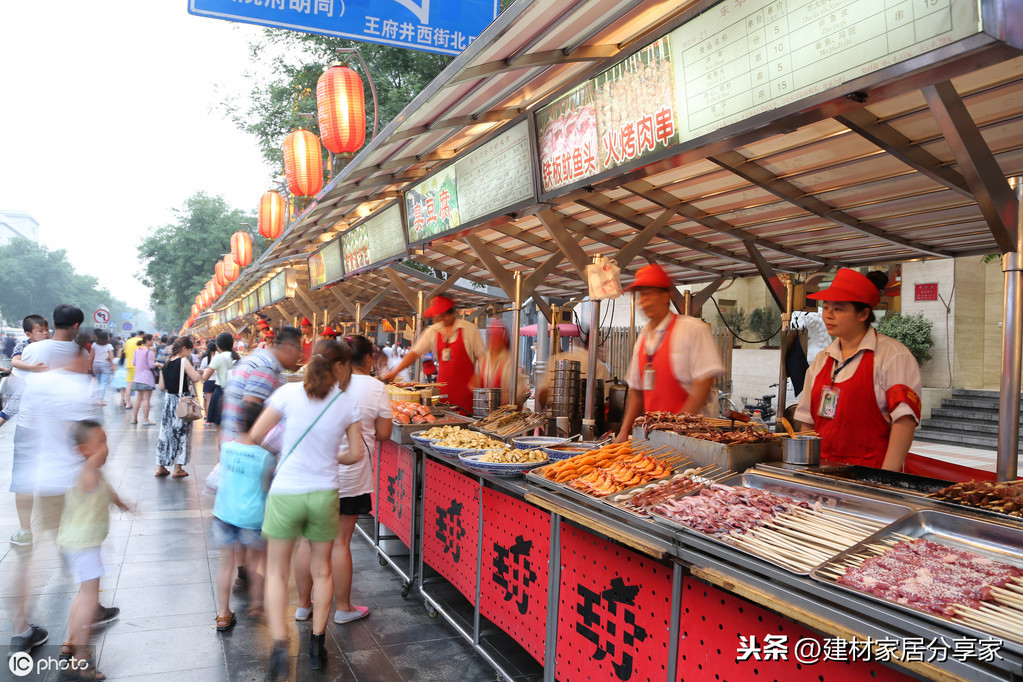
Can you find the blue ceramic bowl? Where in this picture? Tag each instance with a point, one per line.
(473, 463)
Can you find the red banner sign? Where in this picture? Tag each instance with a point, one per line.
(397, 496)
(451, 509)
(927, 292)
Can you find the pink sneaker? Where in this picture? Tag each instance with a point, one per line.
(341, 617)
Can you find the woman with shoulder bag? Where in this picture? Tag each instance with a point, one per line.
(144, 381)
(177, 378)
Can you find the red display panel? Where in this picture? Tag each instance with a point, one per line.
(614, 611)
(718, 628)
(926, 292)
(516, 557)
(397, 496)
(451, 517)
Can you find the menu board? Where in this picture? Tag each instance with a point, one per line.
(325, 264)
(377, 239)
(253, 302)
(738, 59)
(263, 296)
(278, 288)
(490, 178)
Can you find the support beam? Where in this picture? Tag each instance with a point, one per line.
(704, 294)
(375, 301)
(589, 53)
(639, 241)
(767, 273)
(310, 310)
(554, 222)
(345, 302)
(882, 135)
(452, 278)
(978, 165)
(769, 182)
(403, 289)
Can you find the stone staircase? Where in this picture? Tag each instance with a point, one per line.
(968, 419)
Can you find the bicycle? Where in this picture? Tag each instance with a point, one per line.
(726, 405)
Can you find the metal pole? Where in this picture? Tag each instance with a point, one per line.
(1007, 463)
(420, 307)
(632, 322)
(358, 315)
(687, 303)
(516, 324)
(589, 418)
(785, 343)
(542, 345)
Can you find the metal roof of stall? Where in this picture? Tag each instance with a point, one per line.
(879, 177)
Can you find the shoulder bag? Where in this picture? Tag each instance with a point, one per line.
(188, 409)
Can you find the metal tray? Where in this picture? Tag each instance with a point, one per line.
(705, 452)
(402, 433)
(613, 499)
(994, 540)
(533, 476)
(847, 502)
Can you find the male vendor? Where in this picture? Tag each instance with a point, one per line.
(308, 340)
(675, 359)
(456, 345)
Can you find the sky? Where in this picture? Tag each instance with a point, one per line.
(110, 119)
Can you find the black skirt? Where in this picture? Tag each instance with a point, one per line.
(216, 403)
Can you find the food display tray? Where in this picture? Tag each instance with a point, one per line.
(402, 433)
(509, 470)
(996, 541)
(534, 476)
(614, 500)
(737, 457)
(848, 503)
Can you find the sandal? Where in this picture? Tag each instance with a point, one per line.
(225, 623)
(162, 471)
(179, 474)
(255, 612)
(83, 669)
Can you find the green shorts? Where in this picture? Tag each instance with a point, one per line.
(310, 515)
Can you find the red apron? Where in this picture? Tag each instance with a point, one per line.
(859, 432)
(456, 372)
(307, 350)
(668, 395)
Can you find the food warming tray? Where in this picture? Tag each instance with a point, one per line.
(993, 540)
(534, 476)
(616, 500)
(845, 502)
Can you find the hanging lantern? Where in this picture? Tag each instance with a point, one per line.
(195, 310)
(218, 273)
(341, 110)
(271, 215)
(241, 247)
(218, 289)
(303, 163)
(231, 269)
(198, 300)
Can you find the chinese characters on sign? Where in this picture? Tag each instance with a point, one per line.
(432, 206)
(513, 572)
(810, 650)
(606, 620)
(396, 492)
(927, 292)
(325, 264)
(450, 530)
(442, 27)
(377, 239)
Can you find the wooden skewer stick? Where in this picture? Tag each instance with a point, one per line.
(1008, 596)
(810, 539)
(779, 554)
(1003, 612)
(784, 541)
(990, 624)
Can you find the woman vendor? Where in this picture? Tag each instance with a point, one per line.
(456, 344)
(864, 397)
(494, 367)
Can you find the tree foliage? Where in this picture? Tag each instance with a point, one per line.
(913, 331)
(296, 60)
(34, 280)
(765, 323)
(178, 259)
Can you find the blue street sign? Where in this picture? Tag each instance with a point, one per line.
(446, 27)
(127, 316)
(126, 326)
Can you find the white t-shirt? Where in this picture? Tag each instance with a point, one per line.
(51, 352)
(312, 465)
(53, 401)
(222, 363)
(373, 401)
(693, 353)
(99, 356)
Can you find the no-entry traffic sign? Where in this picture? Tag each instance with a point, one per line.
(102, 316)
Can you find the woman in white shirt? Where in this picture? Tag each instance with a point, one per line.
(218, 369)
(318, 414)
(102, 356)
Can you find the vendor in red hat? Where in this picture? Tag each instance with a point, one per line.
(328, 333)
(308, 339)
(456, 345)
(865, 387)
(675, 359)
(494, 367)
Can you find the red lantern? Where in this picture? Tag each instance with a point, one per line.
(241, 247)
(195, 310)
(303, 163)
(231, 269)
(218, 289)
(218, 273)
(271, 215)
(341, 110)
(198, 300)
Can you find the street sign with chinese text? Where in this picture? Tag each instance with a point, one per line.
(426, 25)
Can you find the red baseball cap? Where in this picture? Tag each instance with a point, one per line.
(652, 275)
(849, 285)
(440, 305)
(305, 322)
(328, 331)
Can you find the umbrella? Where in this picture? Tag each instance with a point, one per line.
(564, 329)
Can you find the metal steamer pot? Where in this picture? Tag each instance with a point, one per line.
(801, 450)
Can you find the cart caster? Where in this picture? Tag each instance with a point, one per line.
(431, 612)
(382, 561)
(405, 589)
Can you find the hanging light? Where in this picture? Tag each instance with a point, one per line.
(241, 247)
(341, 109)
(218, 273)
(195, 310)
(271, 215)
(303, 163)
(218, 288)
(231, 269)
(198, 300)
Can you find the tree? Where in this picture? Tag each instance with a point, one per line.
(735, 319)
(276, 105)
(765, 323)
(178, 259)
(913, 331)
(34, 279)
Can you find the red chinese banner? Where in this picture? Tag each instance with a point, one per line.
(614, 611)
(516, 554)
(397, 496)
(451, 517)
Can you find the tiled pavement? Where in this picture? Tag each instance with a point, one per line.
(160, 571)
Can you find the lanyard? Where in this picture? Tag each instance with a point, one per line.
(838, 368)
(660, 338)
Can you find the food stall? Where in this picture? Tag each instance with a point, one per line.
(636, 131)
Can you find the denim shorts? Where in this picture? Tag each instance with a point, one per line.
(225, 534)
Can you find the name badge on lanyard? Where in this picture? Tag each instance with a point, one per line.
(445, 355)
(648, 378)
(829, 402)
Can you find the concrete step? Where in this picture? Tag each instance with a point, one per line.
(960, 426)
(971, 403)
(980, 416)
(965, 440)
(971, 393)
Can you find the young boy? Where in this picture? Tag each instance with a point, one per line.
(83, 527)
(36, 329)
(245, 470)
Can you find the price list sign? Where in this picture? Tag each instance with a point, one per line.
(745, 57)
(495, 175)
(325, 265)
(377, 239)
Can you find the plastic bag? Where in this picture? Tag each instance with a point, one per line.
(213, 480)
(604, 278)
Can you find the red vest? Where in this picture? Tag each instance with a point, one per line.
(858, 434)
(456, 372)
(668, 394)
